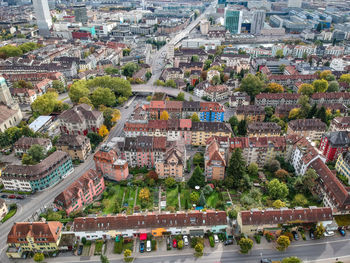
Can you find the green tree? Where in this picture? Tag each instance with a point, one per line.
(23, 84)
(85, 100)
(194, 196)
(234, 124)
(216, 80)
(283, 243)
(103, 96)
(111, 71)
(129, 69)
(37, 152)
(199, 249)
(305, 106)
(78, 90)
(170, 83)
(39, 257)
(320, 85)
(195, 117)
(245, 244)
(306, 89)
(27, 159)
(180, 96)
(58, 86)
(195, 59)
(278, 204)
(300, 200)
(170, 182)
(322, 114)
(236, 167)
(104, 259)
(197, 178)
(202, 200)
(148, 75)
(291, 260)
(45, 104)
(333, 86)
(251, 84)
(253, 169)
(198, 159)
(279, 53)
(207, 64)
(277, 189)
(345, 78)
(320, 229)
(242, 128)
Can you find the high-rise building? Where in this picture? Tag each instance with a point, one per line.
(233, 20)
(43, 16)
(204, 27)
(80, 13)
(257, 21)
(295, 3)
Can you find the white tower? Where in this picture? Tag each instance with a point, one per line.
(43, 16)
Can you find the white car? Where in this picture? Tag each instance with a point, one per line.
(148, 246)
(185, 238)
(328, 234)
(216, 238)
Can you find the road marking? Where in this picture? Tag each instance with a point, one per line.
(322, 243)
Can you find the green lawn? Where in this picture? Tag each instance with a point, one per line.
(131, 198)
(98, 247)
(113, 199)
(151, 198)
(213, 199)
(185, 194)
(10, 214)
(172, 197)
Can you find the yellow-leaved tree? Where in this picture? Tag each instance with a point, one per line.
(103, 131)
(144, 194)
(164, 115)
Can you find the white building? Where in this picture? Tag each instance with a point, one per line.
(204, 27)
(43, 16)
(295, 3)
(198, 42)
(257, 21)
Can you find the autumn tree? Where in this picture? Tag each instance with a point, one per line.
(300, 200)
(199, 249)
(306, 89)
(283, 243)
(324, 74)
(164, 115)
(103, 131)
(78, 90)
(294, 114)
(144, 194)
(194, 196)
(282, 174)
(127, 254)
(279, 53)
(345, 78)
(320, 85)
(85, 100)
(274, 88)
(152, 175)
(320, 229)
(278, 204)
(245, 244)
(39, 257)
(195, 117)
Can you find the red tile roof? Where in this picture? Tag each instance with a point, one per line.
(277, 96)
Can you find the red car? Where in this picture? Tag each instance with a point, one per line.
(174, 243)
(12, 196)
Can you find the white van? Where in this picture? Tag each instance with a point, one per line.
(148, 246)
(185, 238)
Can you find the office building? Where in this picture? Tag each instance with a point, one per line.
(295, 3)
(80, 13)
(257, 21)
(233, 20)
(43, 16)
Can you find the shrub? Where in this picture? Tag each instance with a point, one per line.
(154, 245)
(269, 237)
(211, 241)
(83, 240)
(303, 236)
(118, 247)
(288, 234)
(257, 238)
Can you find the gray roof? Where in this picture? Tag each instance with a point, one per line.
(338, 138)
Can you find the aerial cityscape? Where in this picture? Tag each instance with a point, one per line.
(212, 131)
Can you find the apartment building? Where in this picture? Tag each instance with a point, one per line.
(202, 131)
(308, 128)
(343, 165)
(291, 80)
(333, 144)
(340, 124)
(331, 98)
(263, 129)
(174, 163)
(214, 161)
(276, 99)
(77, 146)
(23, 144)
(250, 113)
(239, 99)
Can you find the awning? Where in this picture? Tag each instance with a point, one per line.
(143, 236)
(197, 232)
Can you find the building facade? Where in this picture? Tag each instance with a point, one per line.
(333, 144)
(77, 146)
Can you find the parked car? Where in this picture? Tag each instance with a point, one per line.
(12, 196)
(328, 234)
(174, 243)
(4, 196)
(342, 231)
(312, 235)
(266, 260)
(142, 246)
(19, 197)
(228, 242)
(295, 235)
(185, 238)
(80, 250)
(216, 238)
(148, 246)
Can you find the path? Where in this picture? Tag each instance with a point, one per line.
(179, 200)
(229, 196)
(137, 189)
(122, 204)
(159, 198)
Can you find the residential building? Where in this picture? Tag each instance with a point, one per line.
(257, 21)
(295, 3)
(3, 209)
(216, 93)
(33, 237)
(23, 96)
(250, 113)
(331, 97)
(172, 74)
(283, 110)
(276, 99)
(202, 131)
(263, 129)
(173, 164)
(343, 165)
(43, 17)
(77, 146)
(81, 120)
(340, 124)
(193, 223)
(309, 128)
(291, 80)
(333, 144)
(239, 99)
(274, 220)
(32, 178)
(108, 163)
(233, 20)
(211, 112)
(81, 192)
(214, 161)
(23, 144)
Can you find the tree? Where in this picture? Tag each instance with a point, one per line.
(95, 139)
(111, 71)
(207, 64)
(202, 200)
(37, 152)
(242, 128)
(152, 175)
(197, 178)
(345, 78)
(278, 204)
(195, 58)
(195, 117)
(85, 100)
(148, 75)
(268, 112)
(45, 104)
(103, 131)
(39, 257)
(305, 106)
(170, 83)
(164, 115)
(245, 244)
(300, 200)
(277, 189)
(279, 53)
(103, 96)
(58, 86)
(78, 90)
(306, 89)
(194, 196)
(236, 167)
(198, 159)
(104, 259)
(27, 159)
(283, 243)
(170, 182)
(180, 244)
(282, 174)
(110, 116)
(320, 85)
(324, 74)
(144, 194)
(22, 84)
(253, 170)
(274, 88)
(252, 85)
(216, 80)
(127, 253)
(207, 190)
(320, 229)
(294, 114)
(333, 86)
(273, 166)
(180, 96)
(305, 56)
(129, 69)
(199, 249)
(291, 260)
(322, 114)
(234, 123)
